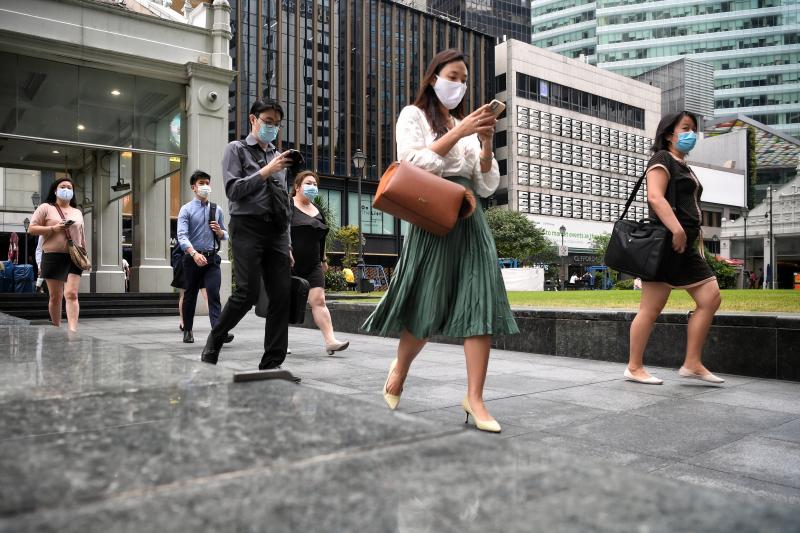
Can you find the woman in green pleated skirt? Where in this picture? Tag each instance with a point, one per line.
(447, 285)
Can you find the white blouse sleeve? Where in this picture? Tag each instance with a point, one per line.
(412, 134)
(484, 183)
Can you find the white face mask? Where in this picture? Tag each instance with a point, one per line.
(449, 93)
(203, 191)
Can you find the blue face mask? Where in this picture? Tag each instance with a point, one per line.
(64, 194)
(267, 132)
(686, 141)
(310, 192)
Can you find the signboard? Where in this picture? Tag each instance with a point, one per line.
(579, 232)
(563, 251)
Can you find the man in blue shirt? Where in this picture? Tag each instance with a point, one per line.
(199, 233)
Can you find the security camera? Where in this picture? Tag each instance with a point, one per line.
(212, 96)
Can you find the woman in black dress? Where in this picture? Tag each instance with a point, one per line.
(684, 265)
(309, 229)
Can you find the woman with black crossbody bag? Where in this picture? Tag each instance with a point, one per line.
(681, 264)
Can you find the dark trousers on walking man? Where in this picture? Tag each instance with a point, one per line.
(210, 277)
(260, 252)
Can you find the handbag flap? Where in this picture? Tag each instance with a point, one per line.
(418, 196)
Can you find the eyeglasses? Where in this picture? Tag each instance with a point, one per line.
(269, 122)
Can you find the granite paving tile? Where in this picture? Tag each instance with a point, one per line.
(460, 483)
(216, 429)
(675, 428)
(715, 479)
(609, 397)
(771, 460)
(789, 432)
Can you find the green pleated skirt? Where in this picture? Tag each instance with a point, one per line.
(447, 285)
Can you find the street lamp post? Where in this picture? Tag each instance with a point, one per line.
(715, 240)
(744, 215)
(563, 230)
(771, 264)
(26, 223)
(36, 199)
(359, 162)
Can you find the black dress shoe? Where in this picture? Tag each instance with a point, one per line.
(210, 352)
(228, 338)
(188, 338)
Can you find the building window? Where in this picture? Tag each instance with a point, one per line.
(500, 139)
(712, 219)
(372, 220)
(500, 82)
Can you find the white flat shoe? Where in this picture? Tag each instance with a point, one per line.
(709, 378)
(652, 380)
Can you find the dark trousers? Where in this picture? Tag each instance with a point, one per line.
(210, 277)
(259, 252)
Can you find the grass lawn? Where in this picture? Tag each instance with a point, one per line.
(732, 300)
(742, 301)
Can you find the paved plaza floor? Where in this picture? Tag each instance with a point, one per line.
(107, 431)
(743, 436)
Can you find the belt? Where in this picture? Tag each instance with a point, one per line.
(207, 253)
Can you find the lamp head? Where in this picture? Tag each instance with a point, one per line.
(359, 159)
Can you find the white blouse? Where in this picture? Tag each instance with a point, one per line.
(414, 136)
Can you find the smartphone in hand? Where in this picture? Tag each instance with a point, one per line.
(68, 223)
(496, 107)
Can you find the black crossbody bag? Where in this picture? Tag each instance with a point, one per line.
(278, 207)
(637, 248)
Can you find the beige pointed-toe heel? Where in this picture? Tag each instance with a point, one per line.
(391, 399)
(491, 425)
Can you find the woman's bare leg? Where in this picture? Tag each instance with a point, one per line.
(654, 297)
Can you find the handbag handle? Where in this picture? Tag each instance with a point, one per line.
(670, 192)
(64, 219)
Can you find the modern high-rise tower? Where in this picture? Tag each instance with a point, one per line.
(753, 45)
(509, 19)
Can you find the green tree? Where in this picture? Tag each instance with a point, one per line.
(515, 236)
(347, 237)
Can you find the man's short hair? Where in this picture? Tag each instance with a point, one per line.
(265, 104)
(198, 175)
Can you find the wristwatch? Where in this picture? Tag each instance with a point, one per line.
(193, 253)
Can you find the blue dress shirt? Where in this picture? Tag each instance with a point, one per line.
(193, 228)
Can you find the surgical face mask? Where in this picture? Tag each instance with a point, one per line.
(449, 93)
(267, 132)
(64, 194)
(203, 190)
(686, 141)
(310, 192)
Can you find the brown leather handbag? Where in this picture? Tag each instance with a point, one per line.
(423, 198)
(78, 254)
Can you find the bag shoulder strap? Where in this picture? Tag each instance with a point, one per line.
(212, 217)
(64, 219)
(670, 194)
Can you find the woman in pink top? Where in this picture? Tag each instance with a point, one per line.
(62, 276)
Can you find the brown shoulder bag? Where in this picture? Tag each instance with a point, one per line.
(422, 198)
(77, 253)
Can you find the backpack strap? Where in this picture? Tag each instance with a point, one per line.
(212, 217)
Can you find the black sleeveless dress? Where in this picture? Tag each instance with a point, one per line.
(308, 247)
(689, 269)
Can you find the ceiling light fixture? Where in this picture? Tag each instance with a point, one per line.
(115, 92)
(56, 152)
(81, 127)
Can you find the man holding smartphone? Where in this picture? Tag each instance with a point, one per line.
(255, 184)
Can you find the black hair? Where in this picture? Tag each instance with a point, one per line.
(265, 104)
(666, 127)
(51, 194)
(198, 175)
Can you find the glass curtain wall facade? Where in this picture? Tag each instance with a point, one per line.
(509, 18)
(343, 70)
(753, 45)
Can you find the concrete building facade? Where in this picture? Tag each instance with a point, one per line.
(573, 143)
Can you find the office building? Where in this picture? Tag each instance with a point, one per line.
(753, 45)
(574, 141)
(686, 85)
(343, 71)
(503, 19)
